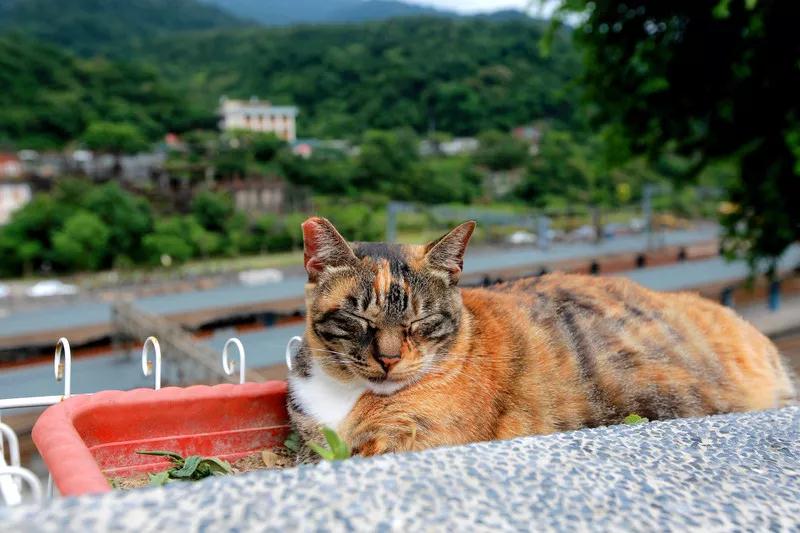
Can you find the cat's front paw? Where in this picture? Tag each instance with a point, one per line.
(398, 435)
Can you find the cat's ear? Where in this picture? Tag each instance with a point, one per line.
(447, 252)
(323, 247)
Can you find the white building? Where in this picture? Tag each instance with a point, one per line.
(258, 115)
(13, 195)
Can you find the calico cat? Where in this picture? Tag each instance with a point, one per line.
(397, 357)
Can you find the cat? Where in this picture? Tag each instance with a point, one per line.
(396, 357)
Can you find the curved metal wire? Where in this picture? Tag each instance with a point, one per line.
(13, 444)
(230, 366)
(63, 370)
(147, 365)
(27, 475)
(290, 351)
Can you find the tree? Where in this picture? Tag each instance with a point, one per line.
(169, 242)
(212, 210)
(386, 163)
(80, 244)
(501, 151)
(265, 146)
(712, 82)
(128, 217)
(116, 139)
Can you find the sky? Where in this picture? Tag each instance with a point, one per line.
(473, 6)
(477, 6)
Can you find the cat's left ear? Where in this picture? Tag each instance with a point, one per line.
(447, 252)
(323, 247)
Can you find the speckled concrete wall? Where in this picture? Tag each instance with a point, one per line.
(733, 472)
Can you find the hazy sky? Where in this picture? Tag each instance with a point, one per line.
(474, 6)
(471, 6)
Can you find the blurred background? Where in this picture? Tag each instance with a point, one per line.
(158, 156)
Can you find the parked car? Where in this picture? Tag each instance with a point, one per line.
(260, 277)
(50, 287)
(521, 237)
(583, 233)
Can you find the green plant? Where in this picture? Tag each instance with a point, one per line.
(292, 442)
(190, 468)
(633, 419)
(337, 449)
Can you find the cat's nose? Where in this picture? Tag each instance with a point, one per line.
(388, 361)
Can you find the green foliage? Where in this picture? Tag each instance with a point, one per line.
(89, 26)
(129, 218)
(336, 449)
(169, 239)
(684, 77)
(50, 97)
(444, 180)
(360, 221)
(292, 442)
(81, 243)
(116, 138)
(461, 76)
(501, 151)
(191, 468)
(386, 162)
(265, 146)
(212, 209)
(633, 419)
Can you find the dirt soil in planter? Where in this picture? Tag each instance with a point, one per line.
(278, 457)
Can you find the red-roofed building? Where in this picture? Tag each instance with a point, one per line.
(10, 166)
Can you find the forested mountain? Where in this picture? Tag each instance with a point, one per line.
(91, 26)
(460, 76)
(49, 96)
(285, 12)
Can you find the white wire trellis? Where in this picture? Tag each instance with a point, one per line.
(230, 366)
(291, 350)
(147, 365)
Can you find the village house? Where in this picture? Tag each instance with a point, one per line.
(10, 166)
(267, 195)
(258, 115)
(14, 191)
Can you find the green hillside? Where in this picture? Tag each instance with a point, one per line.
(91, 26)
(49, 96)
(460, 76)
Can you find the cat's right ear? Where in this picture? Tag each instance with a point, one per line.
(323, 247)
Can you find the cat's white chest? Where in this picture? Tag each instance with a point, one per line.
(326, 399)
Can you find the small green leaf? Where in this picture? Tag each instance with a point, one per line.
(188, 468)
(323, 452)
(172, 455)
(336, 450)
(633, 418)
(292, 442)
(722, 9)
(337, 445)
(216, 465)
(159, 478)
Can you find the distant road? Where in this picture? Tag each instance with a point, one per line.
(88, 313)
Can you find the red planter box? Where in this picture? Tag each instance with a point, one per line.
(86, 438)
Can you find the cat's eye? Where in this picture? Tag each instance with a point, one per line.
(437, 316)
(363, 319)
(427, 325)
